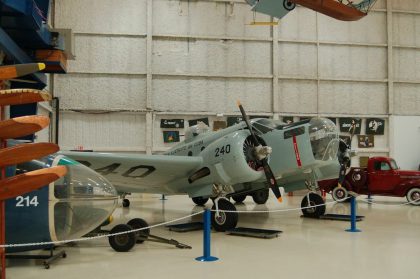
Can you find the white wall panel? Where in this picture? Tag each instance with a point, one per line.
(298, 96)
(99, 54)
(370, 29)
(356, 62)
(297, 60)
(44, 134)
(407, 99)
(406, 5)
(407, 64)
(353, 97)
(406, 29)
(211, 57)
(299, 24)
(110, 131)
(102, 16)
(101, 92)
(211, 94)
(206, 18)
(407, 134)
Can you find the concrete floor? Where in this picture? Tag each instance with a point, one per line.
(387, 247)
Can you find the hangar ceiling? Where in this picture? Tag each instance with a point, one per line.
(145, 60)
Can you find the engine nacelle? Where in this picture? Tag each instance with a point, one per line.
(227, 162)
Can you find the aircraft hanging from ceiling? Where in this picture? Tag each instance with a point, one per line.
(250, 156)
(345, 10)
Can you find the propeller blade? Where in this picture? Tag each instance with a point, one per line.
(22, 96)
(25, 152)
(245, 118)
(22, 126)
(267, 170)
(271, 180)
(14, 71)
(30, 181)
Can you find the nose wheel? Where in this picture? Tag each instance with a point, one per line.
(222, 221)
(313, 205)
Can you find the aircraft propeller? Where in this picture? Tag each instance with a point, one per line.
(263, 159)
(344, 158)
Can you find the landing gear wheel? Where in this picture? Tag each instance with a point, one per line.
(289, 5)
(200, 200)
(239, 198)
(225, 220)
(126, 203)
(138, 223)
(413, 196)
(122, 242)
(314, 212)
(260, 196)
(340, 194)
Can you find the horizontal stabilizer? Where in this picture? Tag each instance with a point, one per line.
(14, 71)
(25, 152)
(30, 181)
(22, 126)
(22, 96)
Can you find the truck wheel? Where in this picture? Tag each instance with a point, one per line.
(340, 194)
(200, 200)
(314, 212)
(413, 196)
(358, 178)
(239, 198)
(122, 242)
(260, 196)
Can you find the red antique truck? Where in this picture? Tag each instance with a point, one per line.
(381, 177)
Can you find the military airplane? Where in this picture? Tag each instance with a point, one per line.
(247, 157)
(345, 10)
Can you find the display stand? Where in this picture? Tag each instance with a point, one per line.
(353, 216)
(206, 239)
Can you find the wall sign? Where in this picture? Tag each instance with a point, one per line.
(375, 126)
(195, 121)
(170, 136)
(365, 141)
(346, 124)
(218, 125)
(172, 123)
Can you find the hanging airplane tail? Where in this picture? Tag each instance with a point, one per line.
(344, 10)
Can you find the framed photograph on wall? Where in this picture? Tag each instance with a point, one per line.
(375, 126)
(170, 136)
(365, 141)
(346, 124)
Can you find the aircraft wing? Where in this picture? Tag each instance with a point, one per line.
(275, 8)
(139, 172)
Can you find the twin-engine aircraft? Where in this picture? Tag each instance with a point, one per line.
(346, 10)
(250, 156)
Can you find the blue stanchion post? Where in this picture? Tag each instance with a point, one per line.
(353, 216)
(206, 239)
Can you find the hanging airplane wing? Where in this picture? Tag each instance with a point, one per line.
(141, 173)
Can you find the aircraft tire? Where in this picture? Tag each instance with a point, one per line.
(314, 212)
(138, 223)
(239, 198)
(260, 196)
(413, 196)
(126, 203)
(200, 200)
(288, 5)
(340, 194)
(226, 220)
(122, 242)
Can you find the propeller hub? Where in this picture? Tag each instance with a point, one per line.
(262, 152)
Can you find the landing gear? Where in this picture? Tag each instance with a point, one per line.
(126, 203)
(260, 196)
(222, 221)
(200, 200)
(239, 198)
(313, 199)
(138, 223)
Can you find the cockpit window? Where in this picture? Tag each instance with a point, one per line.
(324, 139)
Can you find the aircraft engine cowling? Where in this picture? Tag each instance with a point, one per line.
(227, 162)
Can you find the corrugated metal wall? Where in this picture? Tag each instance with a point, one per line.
(146, 60)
